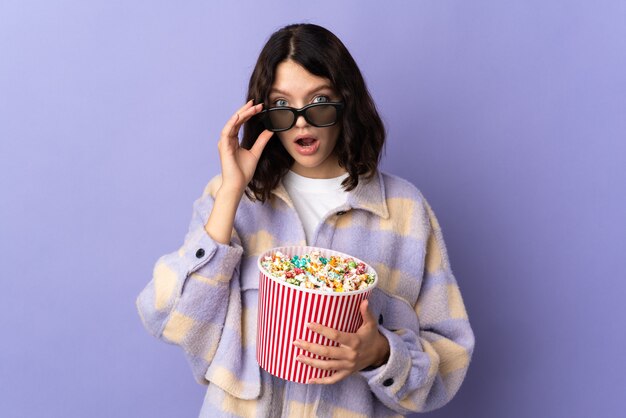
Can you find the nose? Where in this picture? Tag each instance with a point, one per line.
(301, 122)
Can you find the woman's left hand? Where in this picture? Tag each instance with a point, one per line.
(356, 351)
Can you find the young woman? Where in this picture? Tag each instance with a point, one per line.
(308, 166)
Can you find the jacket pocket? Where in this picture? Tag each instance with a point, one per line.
(393, 312)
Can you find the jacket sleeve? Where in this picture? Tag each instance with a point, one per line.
(427, 364)
(186, 301)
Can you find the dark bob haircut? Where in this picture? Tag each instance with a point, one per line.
(321, 53)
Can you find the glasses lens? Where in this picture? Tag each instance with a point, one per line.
(322, 115)
(280, 119)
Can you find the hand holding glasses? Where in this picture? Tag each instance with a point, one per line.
(282, 118)
(238, 163)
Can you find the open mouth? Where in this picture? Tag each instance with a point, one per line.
(307, 145)
(306, 142)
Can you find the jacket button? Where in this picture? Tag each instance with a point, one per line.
(200, 253)
(380, 319)
(341, 212)
(388, 382)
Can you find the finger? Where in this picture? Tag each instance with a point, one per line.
(329, 380)
(235, 118)
(243, 117)
(335, 353)
(260, 143)
(330, 333)
(244, 107)
(227, 129)
(366, 313)
(323, 364)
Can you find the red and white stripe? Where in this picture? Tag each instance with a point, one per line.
(284, 311)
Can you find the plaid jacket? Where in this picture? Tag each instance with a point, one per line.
(203, 297)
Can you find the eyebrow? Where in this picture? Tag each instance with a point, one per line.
(322, 87)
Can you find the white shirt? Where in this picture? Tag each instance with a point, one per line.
(314, 198)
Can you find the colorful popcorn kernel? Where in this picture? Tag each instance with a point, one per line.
(312, 271)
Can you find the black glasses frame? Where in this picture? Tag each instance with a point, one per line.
(264, 114)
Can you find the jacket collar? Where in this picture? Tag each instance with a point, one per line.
(368, 195)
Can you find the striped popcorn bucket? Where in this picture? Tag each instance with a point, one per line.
(284, 310)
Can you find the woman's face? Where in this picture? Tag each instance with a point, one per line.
(294, 86)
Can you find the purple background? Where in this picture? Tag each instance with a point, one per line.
(509, 116)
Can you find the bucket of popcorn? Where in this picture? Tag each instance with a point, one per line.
(302, 284)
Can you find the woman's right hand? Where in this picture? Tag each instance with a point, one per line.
(239, 164)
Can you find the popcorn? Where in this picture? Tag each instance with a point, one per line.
(312, 271)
